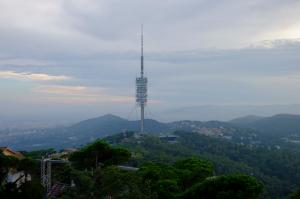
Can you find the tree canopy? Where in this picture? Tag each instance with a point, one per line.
(99, 153)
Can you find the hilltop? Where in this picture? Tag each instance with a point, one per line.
(99, 127)
(281, 130)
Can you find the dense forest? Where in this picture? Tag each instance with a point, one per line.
(192, 166)
(277, 169)
(185, 178)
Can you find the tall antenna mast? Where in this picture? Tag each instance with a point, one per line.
(141, 85)
(142, 51)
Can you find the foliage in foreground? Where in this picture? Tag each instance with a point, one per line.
(277, 169)
(186, 178)
(157, 181)
(99, 153)
(94, 171)
(28, 190)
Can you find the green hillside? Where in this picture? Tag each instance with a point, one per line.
(277, 169)
(281, 125)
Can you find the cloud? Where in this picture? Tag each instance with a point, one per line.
(75, 27)
(67, 90)
(22, 62)
(32, 76)
(78, 94)
(196, 51)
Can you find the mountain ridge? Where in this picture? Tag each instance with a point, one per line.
(277, 125)
(106, 125)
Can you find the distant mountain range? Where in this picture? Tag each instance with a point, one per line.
(243, 130)
(282, 125)
(224, 112)
(246, 120)
(196, 113)
(110, 124)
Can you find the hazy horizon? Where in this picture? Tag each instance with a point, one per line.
(199, 113)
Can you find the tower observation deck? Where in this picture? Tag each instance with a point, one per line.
(141, 87)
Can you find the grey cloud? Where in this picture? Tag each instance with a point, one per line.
(84, 27)
(196, 52)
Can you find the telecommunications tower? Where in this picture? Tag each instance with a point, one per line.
(141, 86)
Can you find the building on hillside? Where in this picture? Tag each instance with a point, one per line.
(15, 176)
(9, 152)
(63, 154)
(169, 138)
(127, 168)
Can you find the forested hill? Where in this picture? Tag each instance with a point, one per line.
(246, 120)
(110, 124)
(279, 130)
(277, 169)
(91, 129)
(94, 172)
(277, 126)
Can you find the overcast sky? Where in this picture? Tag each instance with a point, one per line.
(72, 59)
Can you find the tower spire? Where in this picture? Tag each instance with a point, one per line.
(142, 51)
